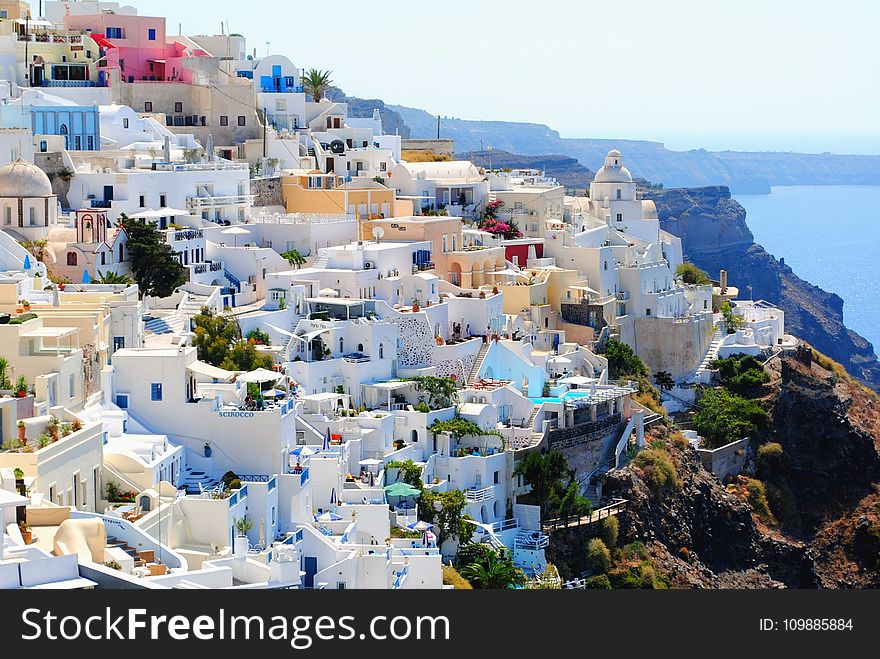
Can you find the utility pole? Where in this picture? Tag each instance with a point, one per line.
(265, 124)
(438, 126)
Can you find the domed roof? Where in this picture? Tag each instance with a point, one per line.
(613, 174)
(24, 180)
(613, 170)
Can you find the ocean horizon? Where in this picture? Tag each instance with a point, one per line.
(828, 234)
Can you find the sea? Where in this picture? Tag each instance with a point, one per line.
(830, 236)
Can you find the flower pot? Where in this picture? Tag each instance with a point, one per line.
(20, 394)
(27, 536)
(208, 451)
(22, 434)
(416, 308)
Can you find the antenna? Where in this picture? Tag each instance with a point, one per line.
(378, 233)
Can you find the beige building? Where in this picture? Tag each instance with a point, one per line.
(311, 191)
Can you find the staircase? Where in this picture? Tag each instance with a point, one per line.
(173, 323)
(473, 377)
(195, 481)
(322, 260)
(530, 423)
(192, 305)
(131, 551)
(232, 279)
(711, 356)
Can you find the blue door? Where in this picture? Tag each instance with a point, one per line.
(310, 567)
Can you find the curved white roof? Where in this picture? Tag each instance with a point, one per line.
(24, 180)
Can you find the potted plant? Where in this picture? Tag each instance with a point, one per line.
(416, 306)
(21, 387)
(76, 425)
(53, 426)
(22, 432)
(26, 533)
(207, 449)
(26, 304)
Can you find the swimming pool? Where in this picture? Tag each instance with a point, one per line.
(569, 396)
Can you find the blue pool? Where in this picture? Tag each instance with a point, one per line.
(569, 395)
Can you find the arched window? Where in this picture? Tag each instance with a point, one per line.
(546, 322)
(71, 258)
(121, 253)
(381, 351)
(63, 131)
(415, 436)
(360, 347)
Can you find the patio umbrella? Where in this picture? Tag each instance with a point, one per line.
(87, 278)
(236, 232)
(401, 490)
(327, 517)
(506, 273)
(328, 292)
(303, 451)
(27, 262)
(559, 360)
(326, 444)
(259, 376)
(273, 393)
(420, 526)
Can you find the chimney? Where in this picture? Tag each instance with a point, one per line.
(724, 282)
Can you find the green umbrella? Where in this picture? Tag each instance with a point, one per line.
(401, 490)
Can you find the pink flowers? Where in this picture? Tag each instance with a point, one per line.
(490, 223)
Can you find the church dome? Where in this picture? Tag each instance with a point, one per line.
(22, 179)
(613, 170)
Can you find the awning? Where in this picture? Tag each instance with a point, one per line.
(311, 336)
(210, 371)
(50, 333)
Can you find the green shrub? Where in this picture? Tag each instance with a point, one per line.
(626, 579)
(622, 361)
(235, 484)
(633, 551)
(769, 459)
(424, 408)
(610, 531)
(657, 469)
(742, 374)
(452, 577)
(756, 494)
(783, 503)
(598, 556)
(691, 274)
(723, 417)
(598, 582)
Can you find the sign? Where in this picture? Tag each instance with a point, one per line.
(395, 225)
(236, 415)
(401, 228)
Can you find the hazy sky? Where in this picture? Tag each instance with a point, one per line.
(782, 72)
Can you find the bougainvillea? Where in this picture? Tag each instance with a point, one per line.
(489, 222)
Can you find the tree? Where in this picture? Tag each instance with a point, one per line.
(449, 523)
(213, 336)
(294, 258)
(691, 274)
(153, 263)
(610, 531)
(741, 374)
(723, 417)
(442, 392)
(493, 571)
(732, 321)
(622, 361)
(664, 380)
(244, 356)
(553, 483)
(4, 379)
(110, 277)
(317, 83)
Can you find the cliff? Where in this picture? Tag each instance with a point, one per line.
(715, 236)
(568, 171)
(701, 534)
(744, 172)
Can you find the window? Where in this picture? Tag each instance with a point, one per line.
(148, 106)
(444, 244)
(77, 143)
(71, 385)
(163, 200)
(280, 105)
(114, 33)
(495, 478)
(242, 120)
(156, 391)
(340, 585)
(44, 146)
(122, 401)
(7, 216)
(178, 107)
(620, 217)
(381, 351)
(224, 120)
(341, 345)
(606, 265)
(71, 258)
(618, 193)
(151, 34)
(103, 258)
(125, 123)
(647, 312)
(142, 200)
(383, 166)
(90, 140)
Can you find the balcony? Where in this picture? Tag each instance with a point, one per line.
(623, 296)
(478, 496)
(100, 203)
(185, 234)
(196, 204)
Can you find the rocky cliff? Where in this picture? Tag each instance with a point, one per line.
(568, 171)
(715, 236)
(701, 534)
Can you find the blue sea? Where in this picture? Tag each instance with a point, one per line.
(830, 236)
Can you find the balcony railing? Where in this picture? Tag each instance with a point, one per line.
(72, 83)
(187, 234)
(100, 203)
(205, 203)
(51, 38)
(477, 496)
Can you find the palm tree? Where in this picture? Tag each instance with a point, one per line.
(495, 573)
(317, 83)
(294, 258)
(110, 277)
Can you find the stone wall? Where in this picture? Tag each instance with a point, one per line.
(267, 191)
(584, 313)
(727, 461)
(669, 344)
(58, 174)
(585, 445)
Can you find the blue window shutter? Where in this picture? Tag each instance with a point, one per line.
(266, 82)
(276, 71)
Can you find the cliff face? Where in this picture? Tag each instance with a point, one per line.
(702, 534)
(715, 236)
(568, 171)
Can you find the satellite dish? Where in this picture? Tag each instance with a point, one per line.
(378, 232)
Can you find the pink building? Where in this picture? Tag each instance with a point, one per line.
(136, 46)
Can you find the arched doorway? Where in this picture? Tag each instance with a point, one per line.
(484, 514)
(145, 503)
(496, 509)
(414, 436)
(455, 273)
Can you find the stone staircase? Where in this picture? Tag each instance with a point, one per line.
(131, 551)
(173, 323)
(193, 478)
(322, 260)
(473, 376)
(710, 356)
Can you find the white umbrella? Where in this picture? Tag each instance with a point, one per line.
(259, 376)
(420, 526)
(328, 517)
(235, 232)
(370, 462)
(559, 360)
(327, 292)
(507, 273)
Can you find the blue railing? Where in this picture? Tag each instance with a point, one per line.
(400, 576)
(100, 203)
(272, 483)
(72, 83)
(232, 279)
(233, 500)
(304, 476)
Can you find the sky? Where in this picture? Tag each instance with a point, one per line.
(744, 74)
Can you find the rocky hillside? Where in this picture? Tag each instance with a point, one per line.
(568, 171)
(744, 172)
(392, 122)
(701, 534)
(715, 236)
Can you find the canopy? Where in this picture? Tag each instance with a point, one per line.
(507, 273)
(420, 526)
(328, 292)
(259, 376)
(235, 231)
(303, 451)
(162, 212)
(577, 379)
(401, 490)
(210, 371)
(328, 517)
(370, 462)
(559, 360)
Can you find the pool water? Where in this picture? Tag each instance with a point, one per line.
(569, 395)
